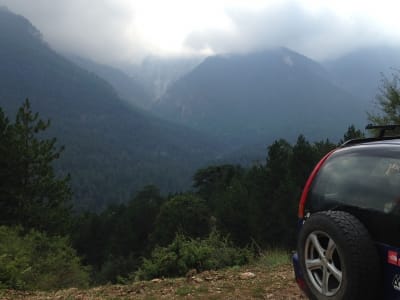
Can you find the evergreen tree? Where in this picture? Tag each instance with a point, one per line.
(277, 167)
(352, 133)
(187, 214)
(31, 194)
(302, 161)
(323, 147)
(282, 199)
(5, 166)
(388, 102)
(212, 180)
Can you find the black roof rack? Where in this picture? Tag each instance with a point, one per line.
(382, 128)
(381, 136)
(367, 140)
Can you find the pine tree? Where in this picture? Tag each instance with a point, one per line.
(352, 133)
(31, 194)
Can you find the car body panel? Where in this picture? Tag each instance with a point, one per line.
(390, 261)
(382, 223)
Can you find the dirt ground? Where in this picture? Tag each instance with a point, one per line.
(249, 282)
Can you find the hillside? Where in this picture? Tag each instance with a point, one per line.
(126, 87)
(261, 97)
(112, 149)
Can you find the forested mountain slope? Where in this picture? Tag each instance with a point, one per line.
(260, 97)
(111, 148)
(126, 86)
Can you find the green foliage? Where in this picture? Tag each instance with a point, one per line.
(352, 133)
(213, 179)
(324, 147)
(116, 269)
(388, 102)
(113, 241)
(256, 206)
(302, 161)
(223, 190)
(36, 261)
(274, 257)
(184, 213)
(259, 205)
(184, 254)
(31, 194)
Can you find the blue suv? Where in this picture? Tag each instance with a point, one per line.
(349, 222)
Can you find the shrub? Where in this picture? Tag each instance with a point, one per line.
(184, 254)
(35, 261)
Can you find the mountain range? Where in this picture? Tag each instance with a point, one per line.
(158, 122)
(261, 96)
(112, 148)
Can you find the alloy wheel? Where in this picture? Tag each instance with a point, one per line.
(323, 263)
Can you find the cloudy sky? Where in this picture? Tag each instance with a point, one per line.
(120, 31)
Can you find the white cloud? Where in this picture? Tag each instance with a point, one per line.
(115, 31)
(314, 30)
(99, 29)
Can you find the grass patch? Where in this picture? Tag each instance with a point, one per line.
(202, 290)
(151, 298)
(235, 268)
(184, 290)
(258, 292)
(274, 257)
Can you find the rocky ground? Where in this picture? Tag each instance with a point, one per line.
(249, 282)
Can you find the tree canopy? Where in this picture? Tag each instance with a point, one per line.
(388, 102)
(31, 193)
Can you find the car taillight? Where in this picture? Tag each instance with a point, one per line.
(302, 284)
(308, 184)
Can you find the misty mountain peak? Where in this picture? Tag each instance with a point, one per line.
(16, 27)
(260, 96)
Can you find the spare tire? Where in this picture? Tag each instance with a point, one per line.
(338, 258)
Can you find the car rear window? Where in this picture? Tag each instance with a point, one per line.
(364, 180)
